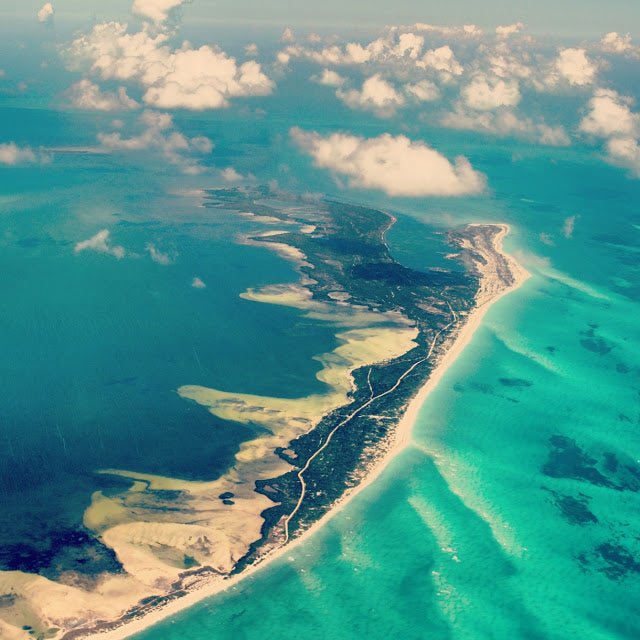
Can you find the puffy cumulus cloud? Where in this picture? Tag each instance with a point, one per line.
(505, 62)
(568, 226)
(11, 155)
(204, 78)
(504, 31)
(394, 47)
(158, 256)
(441, 59)
(160, 136)
(46, 12)
(329, 78)
(625, 151)
(467, 30)
(621, 44)
(251, 49)
(505, 122)
(351, 54)
(423, 91)
(393, 164)
(610, 115)
(485, 93)
(157, 11)
(288, 35)
(409, 45)
(87, 95)
(574, 67)
(101, 243)
(231, 175)
(197, 283)
(375, 95)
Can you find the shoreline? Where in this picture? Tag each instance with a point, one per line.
(402, 438)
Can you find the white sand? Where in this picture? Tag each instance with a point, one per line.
(490, 292)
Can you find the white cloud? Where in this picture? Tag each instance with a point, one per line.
(157, 11)
(159, 135)
(288, 35)
(392, 48)
(486, 93)
(394, 164)
(87, 95)
(625, 151)
(196, 283)
(46, 12)
(574, 66)
(409, 44)
(441, 59)
(467, 30)
(204, 78)
(376, 95)
(329, 78)
(251, 50)
(11, 154)
(568, 226)
(509, 64)
(231, 175)
(610, 115)
(504, 31)
(621, 44)
(424, 91)
(503, 122)
(158, 256)
(101, 243)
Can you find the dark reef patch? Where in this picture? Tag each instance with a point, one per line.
(574, 509)
(568, 460)
(595, 344)
(515, 382)
(613, 560)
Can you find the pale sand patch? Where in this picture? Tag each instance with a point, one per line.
(260, 218)
(339, 311)
(272, 232)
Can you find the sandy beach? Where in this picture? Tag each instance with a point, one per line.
(491, 290)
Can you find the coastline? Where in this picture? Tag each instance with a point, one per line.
(401, 440)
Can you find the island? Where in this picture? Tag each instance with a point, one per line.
(397, 330)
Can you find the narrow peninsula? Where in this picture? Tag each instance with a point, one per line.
(397, 329)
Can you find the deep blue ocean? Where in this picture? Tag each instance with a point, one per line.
(514, 514)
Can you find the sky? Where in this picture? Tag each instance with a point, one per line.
(580, 18)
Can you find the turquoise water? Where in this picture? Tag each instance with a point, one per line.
(513, 514)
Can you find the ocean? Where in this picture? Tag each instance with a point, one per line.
(513, 514)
